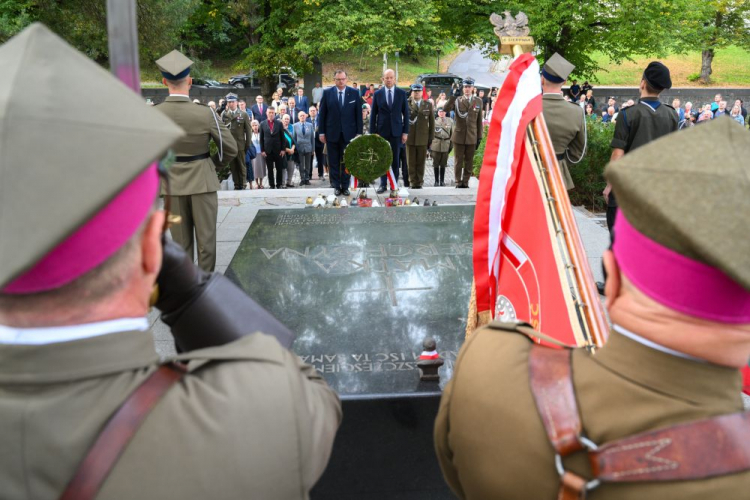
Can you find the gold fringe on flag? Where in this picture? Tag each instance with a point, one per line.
(475, 319)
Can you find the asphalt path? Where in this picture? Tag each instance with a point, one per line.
(473, 63)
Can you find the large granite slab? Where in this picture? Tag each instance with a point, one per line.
(362, 288)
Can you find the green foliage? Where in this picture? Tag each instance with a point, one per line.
(479, 155)
(368, 157)
(694, 77)
(15, 15)
(588, 175)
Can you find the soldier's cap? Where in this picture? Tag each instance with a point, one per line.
(657, 75)
(441, 109)
(231, 97)
(468, 81)
(174, 66)
(681, 236)
(416, 87)
(69, 205)
(557, 69)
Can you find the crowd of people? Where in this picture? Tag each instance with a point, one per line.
(689, 114)
(306, 155)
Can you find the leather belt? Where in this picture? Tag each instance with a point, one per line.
(185, 159)
(692, 450)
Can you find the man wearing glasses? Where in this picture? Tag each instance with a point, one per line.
(340, 121)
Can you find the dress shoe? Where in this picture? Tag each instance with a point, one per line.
(345, 192)
(416, 187)
(337, 192)
(381, 190)
(442, 183)
(437, 183)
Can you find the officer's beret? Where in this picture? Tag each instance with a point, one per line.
(468, 81)
(67, 207)
(416, 87)
(174, 66)
(681, 235)
(557, 69)
(657, 75)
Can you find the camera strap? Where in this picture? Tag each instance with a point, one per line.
(119, 430)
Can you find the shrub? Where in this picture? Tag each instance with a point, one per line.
(588, 174)
(479, 155)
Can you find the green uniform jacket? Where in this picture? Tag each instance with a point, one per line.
(249, 420)
(201, 125)
(566, 123)
(468, 124)
(239, 125)
(491, 442)
(421, 123)
(443, 133)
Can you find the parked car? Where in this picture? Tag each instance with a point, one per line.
(202, 83)
(443, 82)
(287, 78)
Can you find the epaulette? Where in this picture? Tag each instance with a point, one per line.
(525, 329)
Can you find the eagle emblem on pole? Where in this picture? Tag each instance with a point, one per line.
(510, 26)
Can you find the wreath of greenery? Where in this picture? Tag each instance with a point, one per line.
(368, 157)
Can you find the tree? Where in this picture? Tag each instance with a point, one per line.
(717, 24)
(577, 29)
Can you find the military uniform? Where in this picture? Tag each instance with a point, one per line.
(245, 419)
(467, 134)
(642, 123)
(493, 439)
(421, 132)
(238, 123)
(441, 147)
(566, 121)
(193, 182)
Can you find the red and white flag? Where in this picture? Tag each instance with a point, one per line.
(518, 270)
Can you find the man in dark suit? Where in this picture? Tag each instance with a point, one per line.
(319, 156)
(303, 104)
(340, 121)
(259, 109)
(271, 135)
(390, 119)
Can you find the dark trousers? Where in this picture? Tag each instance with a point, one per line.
(404, 166)
(339, 177)
(275, 163)
(396, 147)
(320, 158)
(611, 216)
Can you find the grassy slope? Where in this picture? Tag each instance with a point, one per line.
(731, 68)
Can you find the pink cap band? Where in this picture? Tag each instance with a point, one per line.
(95, 241)
(683, 284)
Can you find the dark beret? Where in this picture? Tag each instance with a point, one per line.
(657, 75)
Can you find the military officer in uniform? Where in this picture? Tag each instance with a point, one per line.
(238, 123)
(193, 180)
(236, 415)
(421, 132)
(678, 296)
(566, 121)
(467, 133)
(441, 146)
(637, 125)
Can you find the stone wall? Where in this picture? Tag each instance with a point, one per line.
(204, 95)
(696, 95)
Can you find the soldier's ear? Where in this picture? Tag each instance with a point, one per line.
(612, 273)
(151, 244)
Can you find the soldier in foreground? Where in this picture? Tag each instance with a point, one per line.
(678, 295)
(467, 131)
(566, 121)
(236, 415)
(421, 132)
(193, 180)
(441, 146)
(238, 123)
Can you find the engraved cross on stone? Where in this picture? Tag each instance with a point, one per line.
(369, 156)
(391, 290)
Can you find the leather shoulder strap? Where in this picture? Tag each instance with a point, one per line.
(118, 432)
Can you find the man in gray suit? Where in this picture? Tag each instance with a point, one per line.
(304, 138)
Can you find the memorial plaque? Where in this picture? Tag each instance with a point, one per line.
(362, 288)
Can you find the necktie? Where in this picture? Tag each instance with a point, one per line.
(390, 98)
(341, 98)
(304, 129)
(261, 109)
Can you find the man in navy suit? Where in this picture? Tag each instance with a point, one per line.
(259, 109)
(302, 103)
(389, 119)
(340, 121)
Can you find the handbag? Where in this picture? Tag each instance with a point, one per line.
(251, 153)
